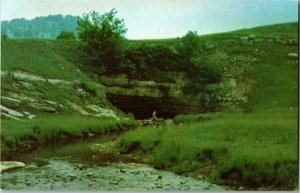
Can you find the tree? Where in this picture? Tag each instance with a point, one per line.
(64, 35)
(188, 47)
(204, 72)
(103, 36)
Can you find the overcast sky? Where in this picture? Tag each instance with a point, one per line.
(165, 18)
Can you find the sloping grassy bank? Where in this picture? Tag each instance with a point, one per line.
(48, 58)
(235, 149)
(30, 134)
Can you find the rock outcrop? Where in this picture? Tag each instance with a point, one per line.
(9, 165)
(34, 94)
(142, 98)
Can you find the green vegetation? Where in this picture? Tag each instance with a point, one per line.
(103, 36)
(33, 56)
(256, 147)
(146, 62)
(4, 37)
(29, 134)
(254, 150)
(103, 39)
(64, 35)
(276, 76)
(278, 29)
(191, 118)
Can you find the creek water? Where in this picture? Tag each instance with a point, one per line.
(92, 165)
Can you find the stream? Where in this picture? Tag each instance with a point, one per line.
(92, 165)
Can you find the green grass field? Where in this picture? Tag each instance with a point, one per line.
(250, 149)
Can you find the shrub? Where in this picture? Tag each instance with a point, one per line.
(64, 35)
(204, 72)
(187, 47)
(145, 61)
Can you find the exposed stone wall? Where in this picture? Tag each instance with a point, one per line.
(142, 98)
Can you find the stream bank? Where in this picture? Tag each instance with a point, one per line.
(81, 166)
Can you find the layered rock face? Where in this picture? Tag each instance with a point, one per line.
(142, 98)
(25, 96)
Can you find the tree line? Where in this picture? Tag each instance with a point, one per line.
(103, 39)
(45, 27)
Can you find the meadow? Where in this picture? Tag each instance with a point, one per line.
(229, 148)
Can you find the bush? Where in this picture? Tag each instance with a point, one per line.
(145, 61)
(187, 48)
(204, 72)
(64, 35)
(103, 36)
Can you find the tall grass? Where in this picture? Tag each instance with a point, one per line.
(262, 149)
(52, 128)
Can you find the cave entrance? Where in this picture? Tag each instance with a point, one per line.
(141, 107)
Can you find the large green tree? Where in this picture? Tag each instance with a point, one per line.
(188, 47)
(103, 36)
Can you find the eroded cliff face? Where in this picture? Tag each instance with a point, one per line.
(27, 95)
(142, 98)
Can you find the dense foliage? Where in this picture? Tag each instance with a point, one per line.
(103, 36)
(64, 35)
(39, 27)
(145, 61)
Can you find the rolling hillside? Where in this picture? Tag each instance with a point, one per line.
(252, 142)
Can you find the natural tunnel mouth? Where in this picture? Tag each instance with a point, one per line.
(142, 107)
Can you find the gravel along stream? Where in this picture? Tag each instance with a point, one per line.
(63, 168)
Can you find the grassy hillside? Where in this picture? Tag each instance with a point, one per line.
(254, 145)
(50, 58)
(50, 111)
(273, 73)
(280, 29)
